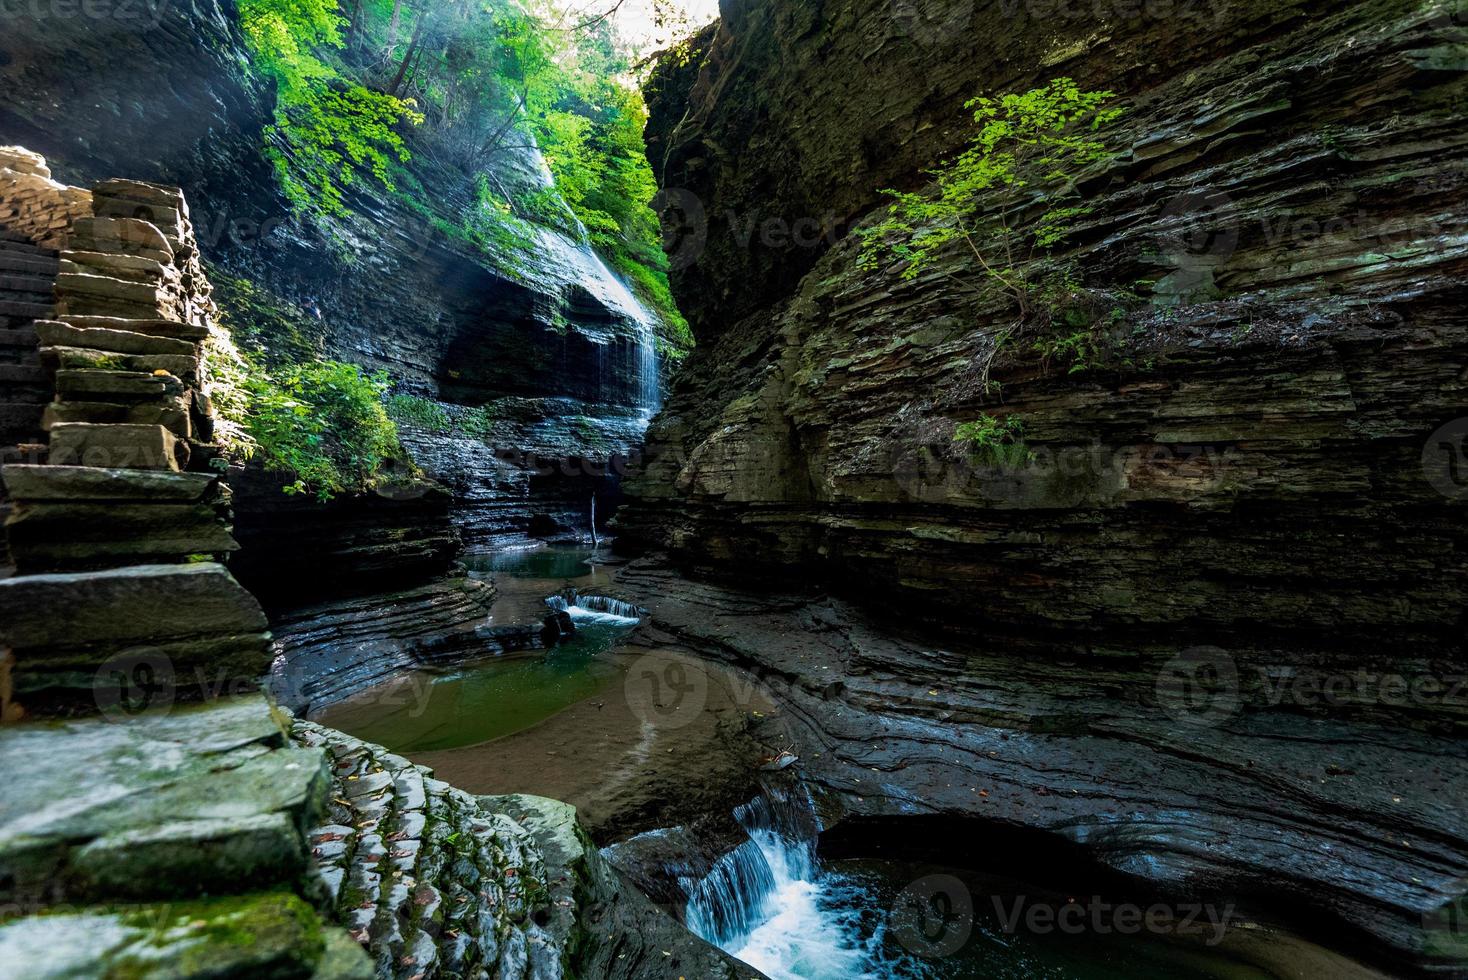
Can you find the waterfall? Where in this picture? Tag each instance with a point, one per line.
(650, 392)
(595, 540)
(771, 904)
(596, 608)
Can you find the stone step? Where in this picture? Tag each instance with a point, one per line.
(129, 236)
(25, 310)
(173, 414)
(108, 287)
(52, 536)
(152, 326)
(92, 483)
(29, 264)
(55, 333)
(107, 385)
(138, 604)
(124, 446)
(135, 268)
(182, 366)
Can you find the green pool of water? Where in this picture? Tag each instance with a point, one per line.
(430, 710)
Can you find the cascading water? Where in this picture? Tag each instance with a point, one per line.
(769, 903)
(650, 394)
(596, 608)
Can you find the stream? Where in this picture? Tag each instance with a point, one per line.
(591, 722)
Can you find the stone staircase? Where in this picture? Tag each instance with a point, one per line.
(112, 502)
(186, 855)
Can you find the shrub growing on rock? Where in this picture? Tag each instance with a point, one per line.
(324, 423)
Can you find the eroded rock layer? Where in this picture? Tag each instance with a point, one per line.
(1242, 458)
(1239, 471)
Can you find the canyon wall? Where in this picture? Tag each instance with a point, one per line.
(1239, 478)
(1243, 459)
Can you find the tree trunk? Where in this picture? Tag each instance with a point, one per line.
(413, 46)
(392, 29)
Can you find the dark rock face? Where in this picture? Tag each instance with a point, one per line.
(1242, 470)
(1253, 489)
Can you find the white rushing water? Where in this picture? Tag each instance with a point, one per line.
(597, 609)
(770, 904)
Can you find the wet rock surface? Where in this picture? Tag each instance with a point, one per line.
(435, 882)
(1352, 831)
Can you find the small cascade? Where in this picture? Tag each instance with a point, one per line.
(596, 608)
(769, 903)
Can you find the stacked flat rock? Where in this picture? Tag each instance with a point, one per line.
(119, 637)
(423, 876)
(77, 517)
(186, 858)
(33, 207)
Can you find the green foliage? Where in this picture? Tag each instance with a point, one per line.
(478, 421)
(995, 441)
(1039, 139)
(326, 127)
(324, 423)
(421, 413)
(270, 329)
(227, 382)
(480, 84)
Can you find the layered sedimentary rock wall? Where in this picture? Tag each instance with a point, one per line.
(1244, 489)
(1240, 456)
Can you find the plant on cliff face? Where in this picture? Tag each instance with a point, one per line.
(327, 127)
(325, 424)
(422, 413)
(1038, 140)
(995, 441)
